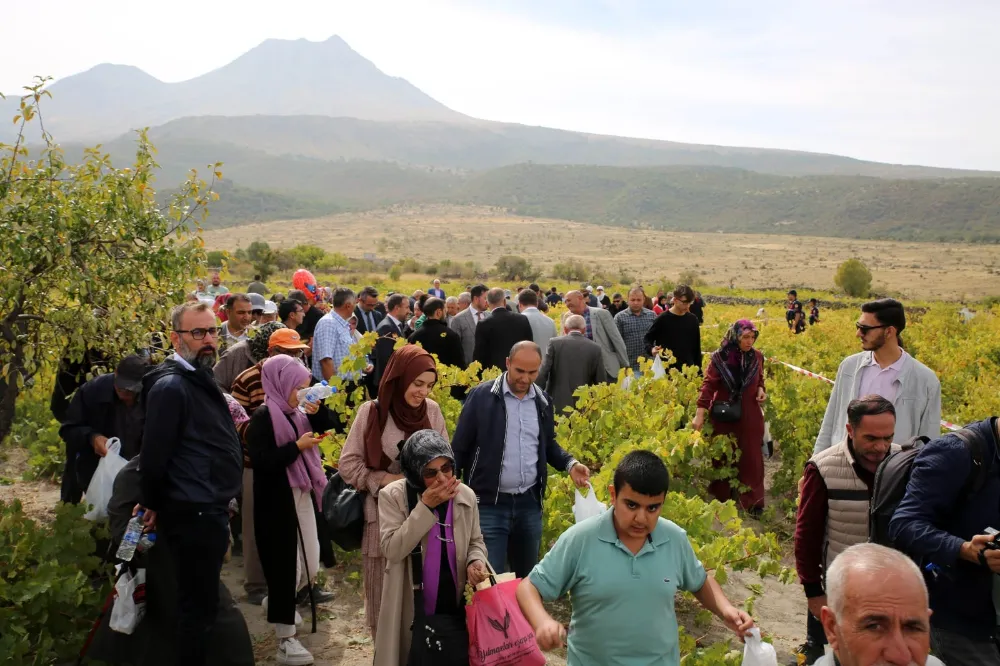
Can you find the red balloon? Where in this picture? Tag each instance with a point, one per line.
(305, 281)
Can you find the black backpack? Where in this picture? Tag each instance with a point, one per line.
(893, 475)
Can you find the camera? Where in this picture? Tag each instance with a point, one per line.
(994, 543)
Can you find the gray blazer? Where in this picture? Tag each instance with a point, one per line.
(572, 361)
(606, 334)
(543, 329)
(465, 325)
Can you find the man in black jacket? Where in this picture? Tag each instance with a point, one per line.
(368, 317)
(496, 335)
(192, 466)
(436, 338)
(504, 441)
(104, 408)
(389, 330)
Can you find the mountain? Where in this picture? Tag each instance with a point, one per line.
(278, 77)
(485, 145)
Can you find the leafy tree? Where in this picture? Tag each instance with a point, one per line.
(216, 259)
(262, 258)
(335, 262)
(395, 272)
(854, 278)
(511, 267)
(572, 271)
(308, 256)
(85, 253)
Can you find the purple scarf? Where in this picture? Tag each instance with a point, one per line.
(280, 375)
(432, 560)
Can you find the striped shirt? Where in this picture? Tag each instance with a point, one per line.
(633, 328)
(248, 389)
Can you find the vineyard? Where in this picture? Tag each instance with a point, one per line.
(654, 414)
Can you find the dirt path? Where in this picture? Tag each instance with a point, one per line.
(342, 637)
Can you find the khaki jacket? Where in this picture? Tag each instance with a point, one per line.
(400, 532)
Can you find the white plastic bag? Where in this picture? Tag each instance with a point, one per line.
(587, 507)
(758, 653)
(99, 491)
(130, 602)
(659, 372)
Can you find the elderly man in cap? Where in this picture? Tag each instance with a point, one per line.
(102, 409)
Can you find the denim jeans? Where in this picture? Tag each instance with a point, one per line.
(512, 529)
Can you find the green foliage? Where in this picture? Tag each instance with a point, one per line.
(573, 270)
(854, 278)
(47, 600)
(395, 272)
(37, 431)
(262, 258)
(85, 253)
(217, 259)
(510, 267)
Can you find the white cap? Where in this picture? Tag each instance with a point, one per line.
(600, 289)
(589, 288)
(270, 308)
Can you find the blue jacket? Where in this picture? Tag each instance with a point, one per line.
(935, 519)
(480, 440)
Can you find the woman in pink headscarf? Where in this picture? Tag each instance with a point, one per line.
(287, 489)
(731, 395)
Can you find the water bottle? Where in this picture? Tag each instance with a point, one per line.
(313, 394)
(146, 542)
(131, 538)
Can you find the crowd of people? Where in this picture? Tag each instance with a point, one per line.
(219, 424)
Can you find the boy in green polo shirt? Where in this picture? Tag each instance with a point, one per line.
(623, 569)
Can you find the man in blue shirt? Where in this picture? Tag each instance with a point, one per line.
(332, 339)
(623, 569)
(504, 441)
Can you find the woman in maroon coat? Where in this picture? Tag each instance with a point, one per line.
(737, 369)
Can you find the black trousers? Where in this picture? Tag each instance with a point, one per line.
(197, 542)
(814, 630)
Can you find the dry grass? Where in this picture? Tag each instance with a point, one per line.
(431, 233)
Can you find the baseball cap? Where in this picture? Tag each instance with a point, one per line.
(270, 308)
(286, 338)
(129, 373)
(256, 301)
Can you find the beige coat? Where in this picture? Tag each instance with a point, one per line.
(400, 532)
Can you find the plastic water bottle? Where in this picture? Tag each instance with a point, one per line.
(131, 538)
(313, 394)
(146, 542)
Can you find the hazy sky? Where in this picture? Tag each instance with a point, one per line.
(907, 81)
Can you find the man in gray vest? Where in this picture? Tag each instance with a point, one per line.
(833, 505)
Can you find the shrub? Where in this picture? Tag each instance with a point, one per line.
(511, 267)
(37, 431)
(395, 272)
(571, 271)
(854, 278)
(48, 601)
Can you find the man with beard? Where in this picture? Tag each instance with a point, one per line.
(884, 368)
(192, 467)
(834, 504)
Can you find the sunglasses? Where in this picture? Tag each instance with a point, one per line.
(200, 333)
(432, 472)
(865, 329)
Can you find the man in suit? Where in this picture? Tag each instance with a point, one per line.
(602, 330)
(437, 291)
(502, 330)
(368, 317)
(572, 361)
(389, 330)
(466, 321)
(543, 329)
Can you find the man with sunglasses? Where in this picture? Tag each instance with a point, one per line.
(833, 505)
(884, 368)
(192, 467)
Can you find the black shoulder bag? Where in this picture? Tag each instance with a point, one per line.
(437, 640)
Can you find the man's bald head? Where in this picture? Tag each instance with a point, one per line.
(576, 302)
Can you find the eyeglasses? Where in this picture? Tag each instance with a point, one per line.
(432, 472)
(683, 302)
(200, 333)
(864, 329)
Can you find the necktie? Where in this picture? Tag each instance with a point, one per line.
(371, 322)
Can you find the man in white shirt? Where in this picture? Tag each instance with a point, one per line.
(465, 322)
(884, 368)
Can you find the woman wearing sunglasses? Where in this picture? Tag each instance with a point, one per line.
(369, 462)
(430, 536)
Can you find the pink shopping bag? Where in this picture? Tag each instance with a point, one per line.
(499, 634)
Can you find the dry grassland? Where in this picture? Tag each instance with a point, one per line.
(431, 233)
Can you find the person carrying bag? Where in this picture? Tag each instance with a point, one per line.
(432, 542)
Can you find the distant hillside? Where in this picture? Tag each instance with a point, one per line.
(483, 145)
(278, 77)
(715, 199)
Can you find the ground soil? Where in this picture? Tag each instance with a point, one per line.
(949, 271)
(342, 637)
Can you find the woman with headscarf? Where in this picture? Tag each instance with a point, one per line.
(369, 457)
(734, 382)
(444, 523)
(288, 484)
